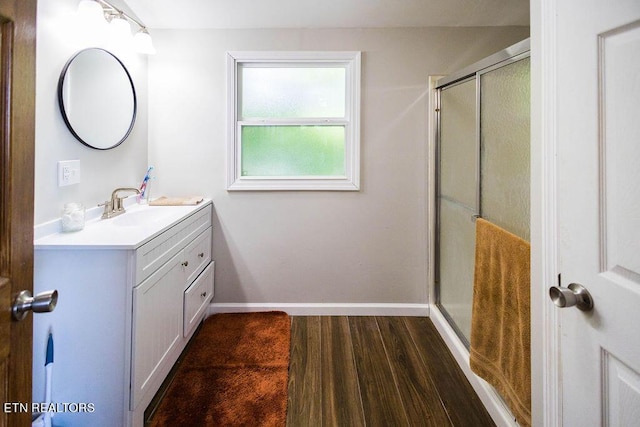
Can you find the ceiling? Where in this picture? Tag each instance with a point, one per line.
(218, 14)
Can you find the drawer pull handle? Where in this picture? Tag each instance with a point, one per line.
(201, 254)
(185, 264)
(203, 295)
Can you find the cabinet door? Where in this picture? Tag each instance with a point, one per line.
(157, 327)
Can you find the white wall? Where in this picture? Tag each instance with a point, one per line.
(102, 171)
(312, 247)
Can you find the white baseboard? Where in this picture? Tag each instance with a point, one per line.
(325, 309)
(489, 397)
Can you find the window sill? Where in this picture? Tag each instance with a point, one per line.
(303, 184)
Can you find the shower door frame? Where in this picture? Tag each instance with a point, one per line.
(437, 194)
(455, 340)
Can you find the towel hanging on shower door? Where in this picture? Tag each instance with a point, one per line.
(500, 349)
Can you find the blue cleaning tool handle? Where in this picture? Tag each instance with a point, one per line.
(49, 358)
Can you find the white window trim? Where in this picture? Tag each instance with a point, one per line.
(351, 180)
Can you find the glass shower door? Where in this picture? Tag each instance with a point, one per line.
(457, 203)
(505, 135)
(483, 169)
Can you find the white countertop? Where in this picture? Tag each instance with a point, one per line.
(138, 225)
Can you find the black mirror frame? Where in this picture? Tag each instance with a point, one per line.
(64, 113)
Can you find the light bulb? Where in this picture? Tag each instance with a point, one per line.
(142, 42)
(120, 29)
(91, 25)
(90, 10)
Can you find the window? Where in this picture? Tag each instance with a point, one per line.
(294, 120)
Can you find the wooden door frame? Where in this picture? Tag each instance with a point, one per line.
(546, 387)
(17, 136)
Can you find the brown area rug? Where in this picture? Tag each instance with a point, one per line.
(234, 374)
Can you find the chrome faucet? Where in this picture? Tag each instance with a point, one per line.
(114, 207)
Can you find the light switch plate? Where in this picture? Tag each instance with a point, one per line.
(68, 172)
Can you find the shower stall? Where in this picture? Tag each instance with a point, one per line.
(482, 170)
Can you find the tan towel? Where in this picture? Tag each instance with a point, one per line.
(500, 322)
(176, 201)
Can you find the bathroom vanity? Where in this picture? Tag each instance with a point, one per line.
(132, 290)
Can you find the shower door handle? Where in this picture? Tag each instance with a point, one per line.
(573, 295)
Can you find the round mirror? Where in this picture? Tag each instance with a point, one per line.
(97, 98)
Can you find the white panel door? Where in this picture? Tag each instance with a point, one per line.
(598, 134)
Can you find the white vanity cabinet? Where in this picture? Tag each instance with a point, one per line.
(124, 315)
(159, 299)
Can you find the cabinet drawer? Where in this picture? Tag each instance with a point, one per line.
(197, 298)
(197, 255)
(153, 254)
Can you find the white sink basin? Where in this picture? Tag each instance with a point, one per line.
(143, 217)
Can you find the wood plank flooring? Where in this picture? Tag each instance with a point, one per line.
(376, 371)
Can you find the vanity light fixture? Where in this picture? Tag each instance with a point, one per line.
(119, 23)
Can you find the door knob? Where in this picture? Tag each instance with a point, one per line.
(574, 294)
(41, 303)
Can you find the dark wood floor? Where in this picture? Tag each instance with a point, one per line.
(376, 371)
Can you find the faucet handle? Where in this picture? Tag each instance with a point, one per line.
(108, 208)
